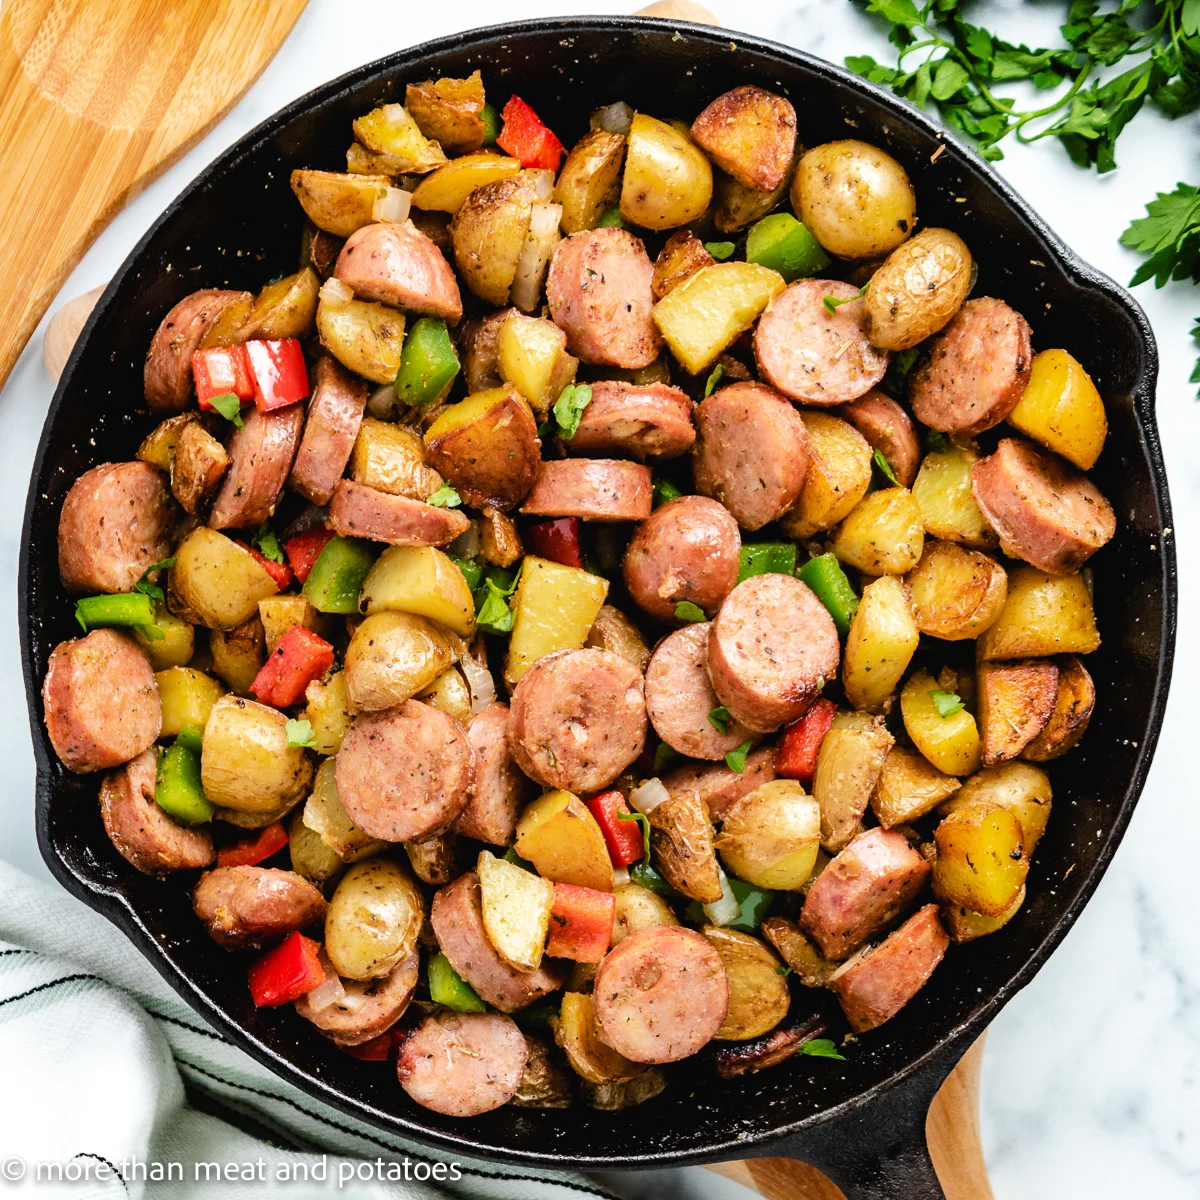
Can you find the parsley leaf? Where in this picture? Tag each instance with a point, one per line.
(821, 1048)
(153, 590)
(783, 970)
(884, 468)
(300, 734)
(685, 610)
(444, 497)
(718, 718)
(946, 703)
(832, 303)
(644, 822)
(1168, 236)
(663, 491)
(735, 760)
(718, 373)
(230, 407)
(492, 613)
(664, 756)
(267, 544)
(720, 250)
(936, 442)
(568, 408)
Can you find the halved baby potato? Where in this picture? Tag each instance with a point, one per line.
(420, 580)
(883, 534)
(215, 581)
(1042, 615)
(590, 180)
(838, 475)
(325, 816)
(363, 336)
(1073, 705)
(749, 133)
(981, 858)
(445, 189)
(909, 787)
(1022, 789)
(951, 743)
(284, 309)
(1061, 408)
(883, 638)
(942, 490)
(391, 130)
(449, 111)
(393, 656)
(339, 203)
(1015, 702)
(489, 231)
(956, 593)
(667, 182)
(758, 993)
(770, 837)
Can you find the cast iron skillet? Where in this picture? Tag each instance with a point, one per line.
(238, 225)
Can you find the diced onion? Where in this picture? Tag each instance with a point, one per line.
(480, 682)
(724, 911)
(468, 543)
(620, 876)
(613, 118)
(335, 293)
(383, 402)
(392, 206)
(328, 993)
(539, 245)
(649, 796)
(543, 185)
(852, 961)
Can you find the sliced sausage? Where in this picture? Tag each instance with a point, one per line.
(578, 719)
(652, 420)
(167, 378)
(1046, 512)
(397, 264)
(260, 457)
(719, 787)
(140, 831)
(101, 701)
(876, 984)
(247, 907)
(598, 289)
(335, 414)
(368, 1008)
(115, 522)
(888, 429)
(751, 453)
(812, 354)
(976, 370)
(870, 883)
(771, 649)
(463, 1064)
(661, 994)
(403, 774)
(360, 511)
(498, 787)
(456, 917)
(593, 489)
(686, 550)
(679, 697)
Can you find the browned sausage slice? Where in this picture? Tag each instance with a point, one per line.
(661, 994)
(368, 1008)
(598, 289)
(652, 420)
(141, 832)
(594, 489)
(578, 719)
(498, 788)
(456, 917)
(888, 429)
(168, 374)
(679, 697)
(101, 701)
(397, 264)
(260, 457)
(247, 907)
(116, 521)
(1045, 511)
(463, 1064)
(360, 511)
(403, 774)
(976, 371)
(716, 785)
(335, 414)
(875, 985)
(751, 453)
(686, 550)
(812, 354)
(870, 883)
(771, 649)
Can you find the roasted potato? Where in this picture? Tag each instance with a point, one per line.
(391, 130)
(855, 199)
(187, 697)
(667, 182)
(848, 766)
(478, 348)
(555, 607)
(615, 1097)
(707, 313)
(561, 838)
(450, 693)
(374, 919)
(682, 850)
(920, 286)
(328, 712)
(325, 816)
(736, 207)
(434, 860)
(487, 447)
(963, 925)
(320, 251)
(682, 255)
(758, 993)
(246, 763)
(545, 1083)
(176, 647)
(956, 593)
(489, 232)
(1061, 408)
(531, 354)
(420, 580)
(516, 910)
(1018, 787)
(590, 180)
(159, 445)
(809, 965)
(310, 856)
(613, 630)
(226, 330)
(750, 134)
(390, 458)
(909, 787)
(882, 640)
(1073, 704)
(361, 161)
(499, 541)
(391, 657)
(196, 468)
(239, 654)
(883, 534)
(285, 308)
(255, 820)
(449, 111)
(364, 337)
(942, 490)
(216, 582)
(950, 743)
(1042, 615)
(639, 908)
(281, 613)
(339, 203)
(578, 1034)
(446, 188)
(1015, 701)
(981, 858)
(838, 475)
(771, 835)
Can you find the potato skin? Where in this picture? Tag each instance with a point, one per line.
(1015, 701)
(735, 206)
(364, 337)
(1042, 615)
(770, 837)
(613, 630)
(758, 994)
(1073, 705)
(216, 582)
(909, 787)
(981, 858)
(589, 182)
(638, 908)
(882, 640)
(950, 743)
(668, 182)
(488, 233)
(1022, 789)
(682, 255)
(838, 475)
(681, 841)
(883, 534)
(749, 133)
(374, 920)
(956, 593)
(920, 286)
(449, 111)
(391, 657)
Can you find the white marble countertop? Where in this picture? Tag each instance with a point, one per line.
(1090, 1078)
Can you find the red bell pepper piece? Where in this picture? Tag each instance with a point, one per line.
(300, 657)
(254, 850)
(304, 549)
(796, 754)
(557, 540)
(281, 573)
(526, 137)
(279, 372)
(581, 923)
(287, 972)
(623, 838)
(221, 370)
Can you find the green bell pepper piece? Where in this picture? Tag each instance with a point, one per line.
(128, 608)
(755, 903)
(427, 363)
(663, 491)
(337, 576)
(825, 576)
(536, 1017)
(766, 558)
(491, 124)
(784, 244)
(644, 875)
(178, 791)
(191, 737)
(611, 219)
(447, 987)
(472, 570)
